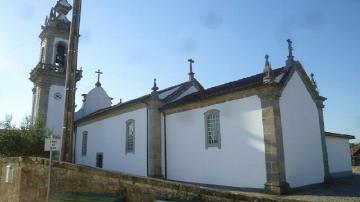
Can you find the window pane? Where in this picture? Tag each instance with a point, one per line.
(130, 136)
(212, 127)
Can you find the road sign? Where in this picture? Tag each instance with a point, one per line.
(52, 144)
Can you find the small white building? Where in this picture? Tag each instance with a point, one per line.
(265, 131)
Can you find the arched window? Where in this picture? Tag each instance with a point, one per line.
(130, 136)
(84, 143)
(60, 57)
(212, 128)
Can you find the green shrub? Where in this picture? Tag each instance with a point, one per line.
(26, 140)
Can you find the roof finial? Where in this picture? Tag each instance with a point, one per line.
(268, 78)
(98, 72)
(84, 97)
(191, 73)
(290, 49)
(314, 82)
(267, 64)
(154, 88)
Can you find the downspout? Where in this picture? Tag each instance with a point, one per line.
(147, 138)
(165, 148)
(74, 141)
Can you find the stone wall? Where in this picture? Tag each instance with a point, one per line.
(30, 184)
(9, 191)
(356, 169)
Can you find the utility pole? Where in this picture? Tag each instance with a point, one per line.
(70, 85)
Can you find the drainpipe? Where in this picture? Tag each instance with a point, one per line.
(165, 148)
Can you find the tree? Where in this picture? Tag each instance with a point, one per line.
(26, 140)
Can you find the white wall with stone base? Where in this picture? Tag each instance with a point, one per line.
(240, 161)
(109, 137)
(339, 156)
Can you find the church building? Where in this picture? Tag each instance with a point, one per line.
(265, 131)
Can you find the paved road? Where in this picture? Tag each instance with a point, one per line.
(345, 189)
(341, 190)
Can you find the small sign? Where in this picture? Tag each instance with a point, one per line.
(52, 144)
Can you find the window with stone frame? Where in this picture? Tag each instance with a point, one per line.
(84, 143)
(212, 128)
(99, 159)
(130, 136)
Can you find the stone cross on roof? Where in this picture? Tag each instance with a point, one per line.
(290, 57)
(154, 88)
(191, 73)
(290, 48)
(98, 72)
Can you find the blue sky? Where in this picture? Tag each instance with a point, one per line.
(134, 41)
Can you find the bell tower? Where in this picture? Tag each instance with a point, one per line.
(48, 75)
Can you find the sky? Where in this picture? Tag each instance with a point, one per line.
(133, 42)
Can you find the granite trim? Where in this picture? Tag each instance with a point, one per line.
(273, 139)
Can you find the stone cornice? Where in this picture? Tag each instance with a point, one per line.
(54, 32)
(44, 73)
(40, 75)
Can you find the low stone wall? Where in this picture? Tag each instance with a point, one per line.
(356, 169)
(29, 183)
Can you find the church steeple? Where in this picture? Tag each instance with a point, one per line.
(48, 75)
(55, 36)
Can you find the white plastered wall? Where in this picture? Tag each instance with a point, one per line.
(301, 135)
(339, 155)
(108, 136)
(55, 111)
(240, 161)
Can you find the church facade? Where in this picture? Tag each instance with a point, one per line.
(265, 131)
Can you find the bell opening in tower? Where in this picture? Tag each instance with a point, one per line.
(60, 57)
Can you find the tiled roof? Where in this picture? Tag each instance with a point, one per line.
(252, 81)
(171, 93)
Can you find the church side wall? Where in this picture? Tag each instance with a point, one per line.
(240, 161)
(339, 155)
(301, 135)
(108, 136)
(55, 115)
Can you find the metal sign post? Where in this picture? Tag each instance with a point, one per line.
(51, 145)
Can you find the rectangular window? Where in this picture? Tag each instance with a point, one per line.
(99, 160)
(84, 143)
(212, 128)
